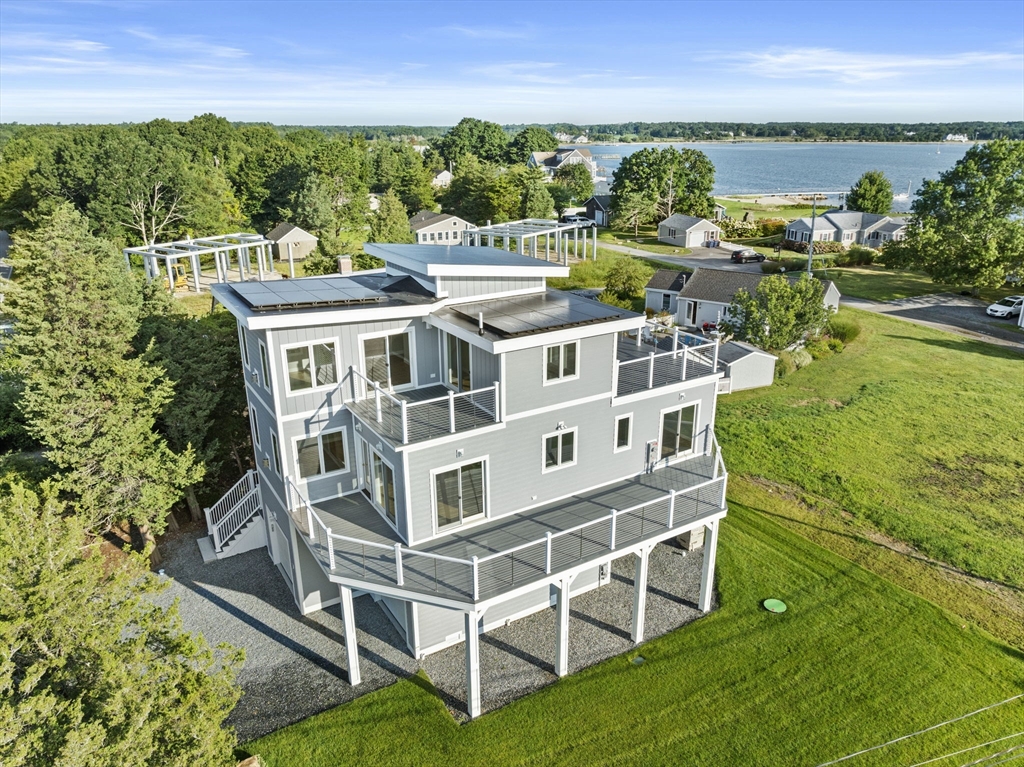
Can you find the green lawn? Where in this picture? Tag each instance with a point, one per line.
(736, 209)
(854, 662)
(910, 430)
(646, 240)
(880, 284)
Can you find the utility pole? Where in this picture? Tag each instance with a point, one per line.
(810, 245)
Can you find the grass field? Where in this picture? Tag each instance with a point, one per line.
(854, 662)
(736, 209)
(910, 430)
(646, 240)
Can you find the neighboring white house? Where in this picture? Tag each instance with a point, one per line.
(662, 291)
(746, 366)
(720, 211)
(552, 161)
(442, 180)
(849, 227)
(708, 293)
(289, 238)
(688, 231)
(599, 209)
(438, 228)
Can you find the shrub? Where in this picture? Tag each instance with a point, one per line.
(771, 267)
(843, 328)
(772, 226)
(857, 255)
(801, 358)
(608, 297)
(818, 348)
(819, 246)
(794, 264)
(649, 312)
(784, 365)
(835, 345)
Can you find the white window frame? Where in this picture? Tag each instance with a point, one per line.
(244, 342)
(615, 434)
(696, 430)
(544, 468)
(367, 481)
(561, 378)
(308, 345)
(320, 448)
(275, 454)
(255, 422)
(411, 330)
(485, 460)
(265, 367)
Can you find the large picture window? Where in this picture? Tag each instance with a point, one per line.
(388, 360)
(677, 431)
(311, 366)
(561, 362)
(322, 454)
(459, 494)
(559, 449)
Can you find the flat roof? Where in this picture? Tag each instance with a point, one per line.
(329, 292)
(536, 313)
(463, 261)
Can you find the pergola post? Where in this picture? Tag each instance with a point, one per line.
(170, 273)
(562, 627)
(640, 594)
(473, 663)
(707, 578)
(547, 246)
(593, 236)
(576, 243)
(348, 618)
(291, 262)
(195, 271)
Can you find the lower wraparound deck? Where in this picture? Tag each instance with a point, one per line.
(486, 560)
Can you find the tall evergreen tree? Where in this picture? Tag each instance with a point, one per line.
(91, 402)
(871, 194)
(390, 223)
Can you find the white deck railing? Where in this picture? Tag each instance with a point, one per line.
(413, 420)
(690, 357)
(398, 565)
(236, 507)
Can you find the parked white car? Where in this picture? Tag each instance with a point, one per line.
(1008, 307)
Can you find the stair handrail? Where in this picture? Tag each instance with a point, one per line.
(218, 515)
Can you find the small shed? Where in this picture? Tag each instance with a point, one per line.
(599, 209)
(746, 366)
(291, 243)
(662, 292)
(688, 231)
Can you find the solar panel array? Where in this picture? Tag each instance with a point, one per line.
(537, 313)
(294, 294)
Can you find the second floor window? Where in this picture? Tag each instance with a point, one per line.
(311, 366)
(561, 362)
(277, 453)
(388, 360)
(559, 449)
(322, 454)
(677, 431)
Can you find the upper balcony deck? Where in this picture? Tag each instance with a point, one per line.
(658, 356)
(355, 545)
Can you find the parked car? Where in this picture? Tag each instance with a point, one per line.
(743, 255)
(578, 220)
(1008, 307)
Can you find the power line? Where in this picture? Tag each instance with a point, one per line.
(919, 732)
(965, 750)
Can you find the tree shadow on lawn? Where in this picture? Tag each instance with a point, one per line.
(965, 345)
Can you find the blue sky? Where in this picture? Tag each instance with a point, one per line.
(433, 63)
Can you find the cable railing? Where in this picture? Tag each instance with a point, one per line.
(687, 357)
(411, 421)
(480, 577)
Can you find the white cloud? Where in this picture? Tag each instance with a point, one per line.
(47, 43)
(188, 44)
(486, 33)
(848, 67)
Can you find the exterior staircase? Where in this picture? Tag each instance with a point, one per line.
(235, 521)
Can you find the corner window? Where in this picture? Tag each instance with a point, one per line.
(322, 454)
(561, 362)
(560, 449)
(264, 366)
(276, 450)
(311, 366)
(623, 432)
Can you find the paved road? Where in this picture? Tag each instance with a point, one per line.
(711, 258)
(958, 314)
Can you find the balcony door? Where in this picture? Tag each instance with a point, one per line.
(459, 376)
(459, 494)
(378, 480)
(677, 431)
(388, 360)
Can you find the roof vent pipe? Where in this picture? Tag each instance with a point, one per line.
(481, 318)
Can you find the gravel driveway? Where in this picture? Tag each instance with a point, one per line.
(295, 665)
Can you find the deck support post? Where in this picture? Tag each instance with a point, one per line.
(291, 262)
(562, 627)
(473, 663)
(640, 594)
(348, 618)
(707, 578)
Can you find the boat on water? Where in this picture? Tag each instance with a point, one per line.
(902, 195)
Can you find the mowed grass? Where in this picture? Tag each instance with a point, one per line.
(880, 284)
(592, 274)
(915, 432)
(645, 239)
(854, 662)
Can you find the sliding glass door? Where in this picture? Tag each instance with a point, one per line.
(677, 431)
(388, 360)
(459, 377)
(459, 494)
(378, 480)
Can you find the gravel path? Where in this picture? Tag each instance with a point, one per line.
(295, 665)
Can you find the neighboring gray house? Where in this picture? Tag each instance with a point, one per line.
(708, 293)
(746, 366)
(442, 179)
(552, 161)
(720, 211)
(466, 445)
(438, 228)
(849, 227)
(662, 291)
(291, 241)
(688, 231)
(599, 209)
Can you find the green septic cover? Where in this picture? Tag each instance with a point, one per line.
(774, 605)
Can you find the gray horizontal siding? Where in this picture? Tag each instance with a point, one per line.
(525, 372)
(470, 287)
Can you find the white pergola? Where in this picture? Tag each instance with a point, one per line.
(240, 245)
(528, 233)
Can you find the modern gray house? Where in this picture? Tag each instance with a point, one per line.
(465, 444)
(849, 227)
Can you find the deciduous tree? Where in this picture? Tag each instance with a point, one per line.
(528, 140)
(871, 194)
(967, 227)
(633, 209)
(627, 278)
(485, 140)
(677, 180)
(780, 312)
(576, 176)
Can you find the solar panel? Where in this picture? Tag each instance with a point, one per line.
(537, 313)
(287, 294)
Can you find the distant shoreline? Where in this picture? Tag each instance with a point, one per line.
(776, 141)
